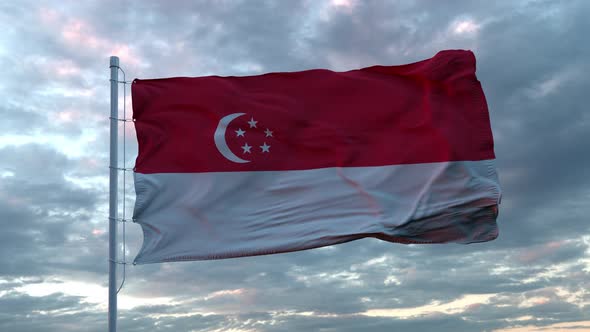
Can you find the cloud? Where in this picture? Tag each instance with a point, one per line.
(54, 312)
(569, 326)
(43, 212)
(54, 155)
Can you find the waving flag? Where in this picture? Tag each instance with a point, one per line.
(240, 166)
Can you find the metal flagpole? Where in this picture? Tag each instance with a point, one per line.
(113, 181)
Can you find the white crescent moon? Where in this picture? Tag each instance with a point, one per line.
(220, 142)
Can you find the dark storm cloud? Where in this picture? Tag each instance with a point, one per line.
(39, 208)
(55, 312)
(20, 122)
(534, 87)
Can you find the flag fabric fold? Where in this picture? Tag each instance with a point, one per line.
(241, 166)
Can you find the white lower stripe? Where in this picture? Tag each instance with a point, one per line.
(196, 216)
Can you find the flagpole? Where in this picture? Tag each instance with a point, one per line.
(113, 181)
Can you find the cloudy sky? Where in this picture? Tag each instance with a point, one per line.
(533, 60)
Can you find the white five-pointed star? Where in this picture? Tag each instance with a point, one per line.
(246, 148)
(265, 147)
(268, 132)
(240, 132)
(252, 123)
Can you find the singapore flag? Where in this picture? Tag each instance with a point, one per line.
(241, 166)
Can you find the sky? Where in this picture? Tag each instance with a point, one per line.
(532, 60)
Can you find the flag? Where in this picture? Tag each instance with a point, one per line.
(280, 162)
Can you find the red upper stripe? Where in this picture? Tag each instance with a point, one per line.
(430, 111)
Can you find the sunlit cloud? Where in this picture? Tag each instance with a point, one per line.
(91, 293)
(530, 255)
(70, 147)
(6, 174)
(68, 116)
(78, 33)
(225, 293)
(344, 4)
(98, 232)
(534, 301)
(453, 307)
(579, 326)
(54, 68)
(553, 83)
(465, 27)
(311, 279)
(67, 91)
